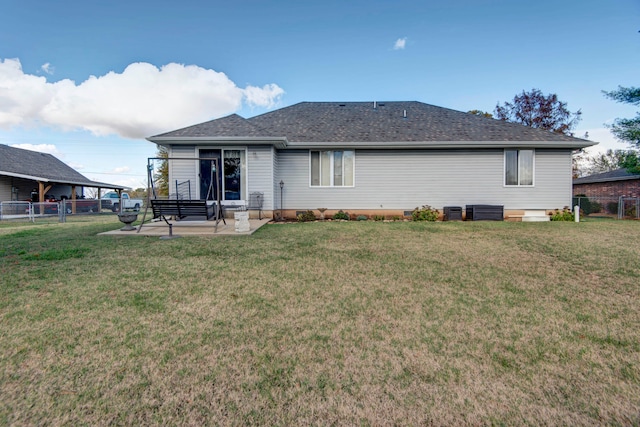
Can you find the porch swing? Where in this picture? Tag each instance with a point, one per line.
(179, 208)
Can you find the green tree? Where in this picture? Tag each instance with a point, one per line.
(626, 130)
(610, 160)
(536, 110)
(161, 175)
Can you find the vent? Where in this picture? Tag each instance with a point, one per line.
(404, 114)
(342, 105)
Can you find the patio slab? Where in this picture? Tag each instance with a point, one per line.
(190, 228)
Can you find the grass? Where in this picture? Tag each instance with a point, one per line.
(322, 323)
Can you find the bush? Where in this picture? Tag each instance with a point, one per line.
(562, 215)
(424, 213)
(378, 217)
(612, 207)
(341, 215)
(362, 218)
(306, 216)
(586, 206)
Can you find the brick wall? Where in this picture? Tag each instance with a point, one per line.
(628, 188)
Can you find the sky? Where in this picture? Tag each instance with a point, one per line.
(88, 81)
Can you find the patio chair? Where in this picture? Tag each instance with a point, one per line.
(255, 202)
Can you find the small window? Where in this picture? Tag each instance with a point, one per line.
(518, 167)
(332, 168)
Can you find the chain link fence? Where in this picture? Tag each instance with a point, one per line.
(613, 207)
(48, 211)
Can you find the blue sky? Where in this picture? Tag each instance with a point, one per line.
(87, 81)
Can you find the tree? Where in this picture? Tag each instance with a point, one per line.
(626, 130)
(611, 160)
(536, 110)
(161, 176)
(481, 113)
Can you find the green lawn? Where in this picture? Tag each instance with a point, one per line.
(350, 323)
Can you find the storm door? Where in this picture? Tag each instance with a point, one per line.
(208, 184)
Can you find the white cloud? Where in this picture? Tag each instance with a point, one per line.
(141, 101)
(47, 68)
(266, 96)
(400, 44)
(604, 137)
(41, 148)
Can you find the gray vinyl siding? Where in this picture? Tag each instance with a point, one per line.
(5, 189)
(260, 172)
(387, 179)
(183, 170)
(276, 180)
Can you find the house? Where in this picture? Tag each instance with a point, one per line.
(612, 184)
(27, 175)
(373, 158)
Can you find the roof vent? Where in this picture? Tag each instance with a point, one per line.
(342, 105)
(375, 105)
(404, 114)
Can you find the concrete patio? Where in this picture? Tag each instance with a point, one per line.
(190, 228)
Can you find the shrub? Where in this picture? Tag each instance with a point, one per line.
(378, 217)
(424, 213)
(612, 207)
(341, 215)
(562, 215)
(362, 218)
(306, 216)
(586, 206)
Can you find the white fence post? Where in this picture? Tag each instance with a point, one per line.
(576, 213)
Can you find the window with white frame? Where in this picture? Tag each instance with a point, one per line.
(334, 168)
(518, 167)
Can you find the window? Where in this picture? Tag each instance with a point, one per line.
(230, 176)
(332, 168)
(518, 167)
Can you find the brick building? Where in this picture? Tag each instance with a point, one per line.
(611, 184)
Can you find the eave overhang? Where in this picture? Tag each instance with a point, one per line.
(282, 143)
(226, 140)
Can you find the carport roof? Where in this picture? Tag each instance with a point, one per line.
(43, 167)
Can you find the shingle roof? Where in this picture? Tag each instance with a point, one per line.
(231, 126)
(615, 175)
(361, 122)
(41, 166)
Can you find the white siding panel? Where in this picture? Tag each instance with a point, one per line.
(260, 172)
(183, 170)
(276, 180)
(388, 179)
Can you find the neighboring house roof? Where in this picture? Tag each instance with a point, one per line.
(615, 175)
(42, 167)
(381, 125)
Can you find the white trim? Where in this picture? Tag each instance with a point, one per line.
(331, 168)
(243, 168)
(504, 168)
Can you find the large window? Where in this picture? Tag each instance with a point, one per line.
(332, 168)
(518, 167)
(231, 175)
